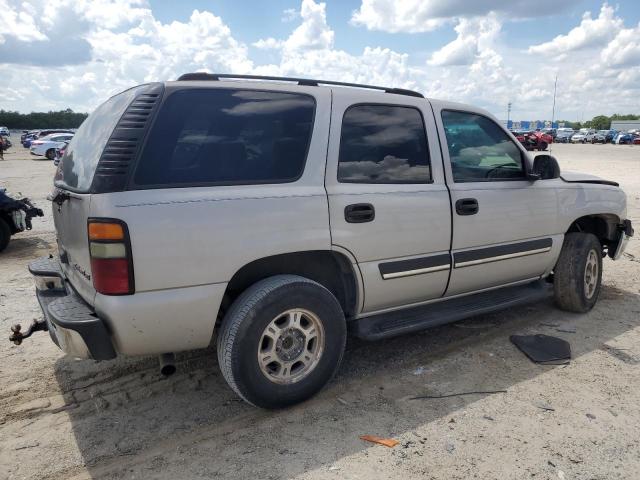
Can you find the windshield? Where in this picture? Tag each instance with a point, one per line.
(80, 160)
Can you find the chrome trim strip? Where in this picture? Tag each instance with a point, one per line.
(500, 257)
(419, 271)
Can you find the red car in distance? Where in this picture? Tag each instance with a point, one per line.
(534, 140)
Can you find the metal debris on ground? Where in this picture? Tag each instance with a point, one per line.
(543, 348)
(479, 392)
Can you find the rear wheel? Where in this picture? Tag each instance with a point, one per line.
(543, 146)
(578, 273)
(51, 154)
(281, 341)
(5, 234)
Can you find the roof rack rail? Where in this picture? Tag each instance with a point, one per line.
(300, 81)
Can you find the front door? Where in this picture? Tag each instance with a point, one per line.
(388, 202)
(504, 226)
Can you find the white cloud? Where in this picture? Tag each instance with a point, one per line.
(474, 36)
(120, 43)
(289, 15)
(268, 44)
(624, 49)
(313, 33)
(412, 16)
(19, 23)
(589, 34)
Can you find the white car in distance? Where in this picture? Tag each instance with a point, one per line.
(47, 146)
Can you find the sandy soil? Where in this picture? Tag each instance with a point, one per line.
(63, 419)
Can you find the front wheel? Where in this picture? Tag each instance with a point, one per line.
(281, 341)
(577, 277)
(51, 154)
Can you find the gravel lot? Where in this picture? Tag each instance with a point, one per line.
(61, 418)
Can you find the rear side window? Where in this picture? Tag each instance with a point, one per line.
(227, 137)
(81, 158)
(383, 144)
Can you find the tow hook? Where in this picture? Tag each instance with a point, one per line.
(17, 336)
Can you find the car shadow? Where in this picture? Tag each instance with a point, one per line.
(27, 246)
(128, 420)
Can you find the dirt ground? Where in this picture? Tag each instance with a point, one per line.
(62, 419)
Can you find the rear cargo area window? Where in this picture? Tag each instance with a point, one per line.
(227, 137)
(383, 144)
(80, 160)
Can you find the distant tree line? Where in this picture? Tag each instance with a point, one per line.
(601, 122)
(27, 121)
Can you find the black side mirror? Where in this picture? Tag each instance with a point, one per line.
(545, 167)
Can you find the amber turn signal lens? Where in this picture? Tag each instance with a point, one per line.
(105, 231)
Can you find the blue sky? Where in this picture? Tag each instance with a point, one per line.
(486, 52)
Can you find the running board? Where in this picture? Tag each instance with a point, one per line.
(414, 319)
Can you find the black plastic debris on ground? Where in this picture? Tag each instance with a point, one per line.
(543, 348)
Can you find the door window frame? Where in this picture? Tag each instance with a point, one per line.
(385, 104)
(523, 157)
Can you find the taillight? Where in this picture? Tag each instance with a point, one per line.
(110, 251)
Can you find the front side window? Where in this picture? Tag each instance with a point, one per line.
(479, 149)
(383, 144)
(227, 137)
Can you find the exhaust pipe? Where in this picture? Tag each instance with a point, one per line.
(167, 364)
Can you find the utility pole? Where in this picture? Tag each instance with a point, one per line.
(553, 110)
(508, 113)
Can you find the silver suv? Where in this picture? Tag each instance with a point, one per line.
(282, 213)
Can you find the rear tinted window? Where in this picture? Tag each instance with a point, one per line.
(220, 136)
(81, 157)
(383, 144)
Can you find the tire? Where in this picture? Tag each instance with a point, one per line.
(572, 290)
(543, 146)
(50, 154)
(5, 234)
(244, 328)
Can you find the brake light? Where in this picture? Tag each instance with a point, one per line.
(110, 251)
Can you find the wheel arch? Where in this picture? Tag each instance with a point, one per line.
(331, 269)
(605, 226)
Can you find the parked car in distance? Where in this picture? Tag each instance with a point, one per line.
(46, 146)
(623, 138)
(599, 137)
(534, 140)
(28, 138)
(60, 151)
(589, 137)
(6, 143)
(252, 206)
(564, 135)
(580, 137)
(5, 131)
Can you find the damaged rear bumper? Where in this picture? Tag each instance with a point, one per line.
(73, 325)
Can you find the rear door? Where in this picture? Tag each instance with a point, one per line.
(73, 181)
(388, 202)
(504, 226)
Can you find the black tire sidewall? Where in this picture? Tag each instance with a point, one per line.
(52, 156)
(251, 382)
(569, 272)
(5, 234)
